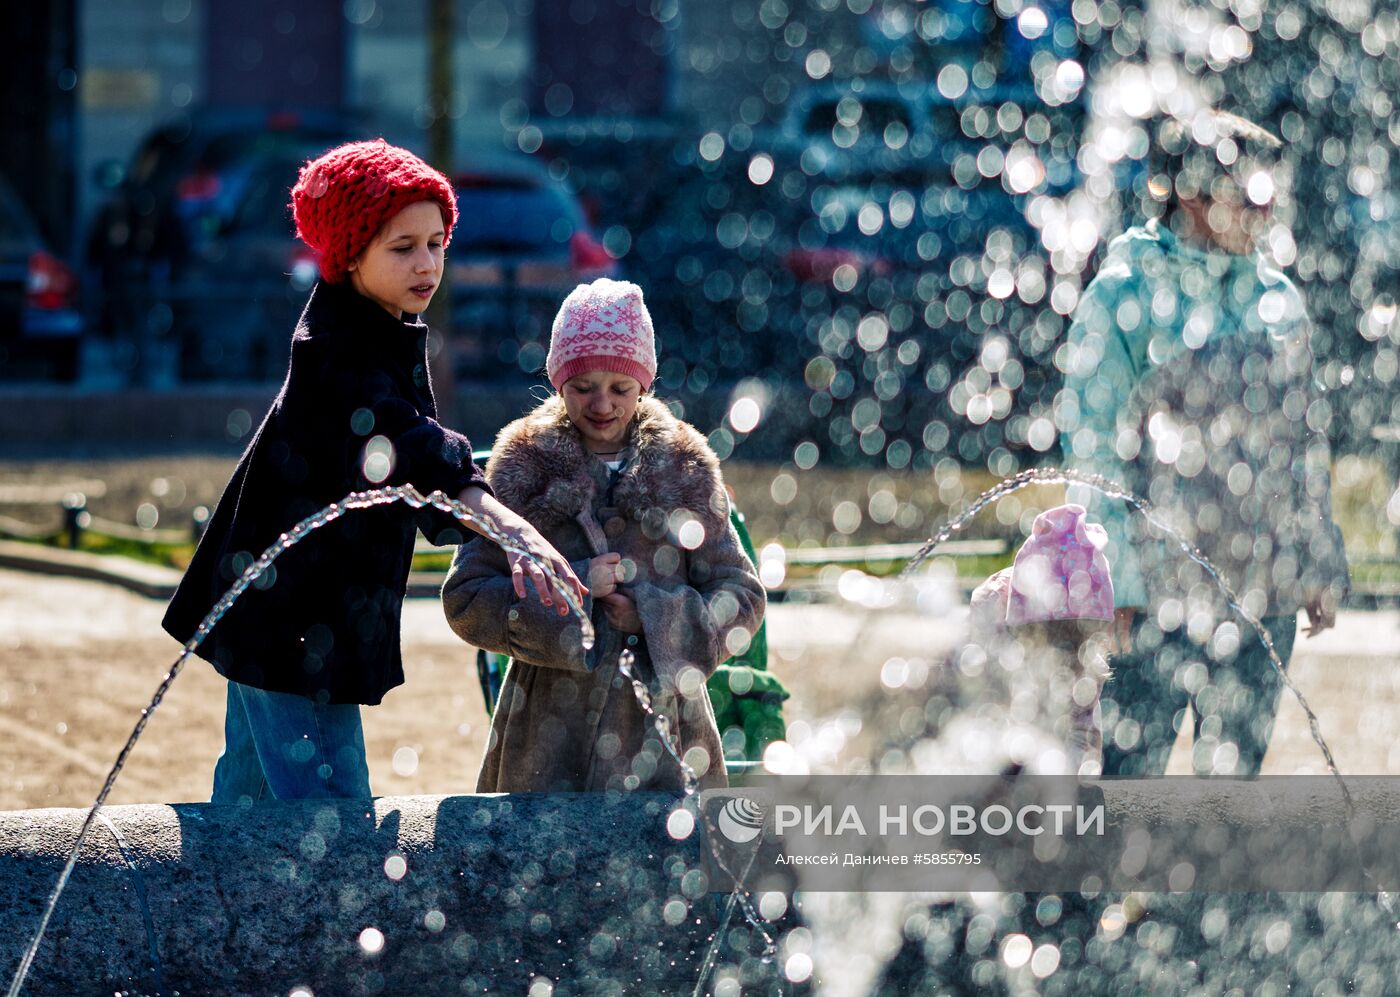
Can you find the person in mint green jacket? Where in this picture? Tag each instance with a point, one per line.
(1190, 379)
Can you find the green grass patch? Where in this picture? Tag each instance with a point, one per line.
(968, 567)
(797, 508)
(179, 555)
(164, 554)
(1373, 575)
(434, 561)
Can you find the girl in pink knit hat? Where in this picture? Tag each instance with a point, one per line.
(634, 498)
(1043, 624)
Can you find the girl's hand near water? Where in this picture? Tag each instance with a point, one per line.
(565, 582)
(1122, 630)
(621, 612)
(518, 530)
(1322, 613)
(604, 572)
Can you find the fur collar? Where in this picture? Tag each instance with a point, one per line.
(540, 468)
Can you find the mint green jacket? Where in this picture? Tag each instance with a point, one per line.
(1189, 378)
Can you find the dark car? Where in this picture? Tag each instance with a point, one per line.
(521, 245)
(245, 277)
(748, 275)
(875, 280)
(893, 127)
(177, 174)
(164, 232)
(40, 322)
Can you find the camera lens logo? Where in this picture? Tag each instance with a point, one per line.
(740, 820)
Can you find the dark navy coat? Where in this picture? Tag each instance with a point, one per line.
(324, 623)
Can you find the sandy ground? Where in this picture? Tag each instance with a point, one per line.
(79, 660)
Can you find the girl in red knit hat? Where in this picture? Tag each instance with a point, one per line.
(318, 635)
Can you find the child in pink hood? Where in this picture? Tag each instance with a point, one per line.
(1043, 624)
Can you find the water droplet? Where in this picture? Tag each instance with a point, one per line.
(317, 184)
(405, 761)
(761, 169)
(1016, 951)
(798, 967)
(680, 824)
(372, 941)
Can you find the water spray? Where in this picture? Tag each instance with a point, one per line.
(738, 897)
(1113, 490)
(355, 500)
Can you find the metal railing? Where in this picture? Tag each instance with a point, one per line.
(77, 520)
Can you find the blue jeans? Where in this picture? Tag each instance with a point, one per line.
(288, 747)
(1233, 699)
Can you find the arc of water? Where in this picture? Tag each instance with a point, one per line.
(355, 500)
(1111, 489)
(662, 723)
(691, 786)
(1114, 490)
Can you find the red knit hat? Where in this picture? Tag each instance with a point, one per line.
(342, 199)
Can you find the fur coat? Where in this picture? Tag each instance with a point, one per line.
(567, 719)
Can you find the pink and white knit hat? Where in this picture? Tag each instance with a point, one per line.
(602, 326)
(1060, 572)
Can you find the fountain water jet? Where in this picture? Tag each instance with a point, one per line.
(1113, 490)
(365, 500)
(355, 500)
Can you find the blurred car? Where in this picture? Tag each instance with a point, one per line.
(881, 117)
(893, 268)
(522, 243)
(837, 128)
(246, 276)
(177, 176)
(41, 324)
(745, 274)
(196, 235)
(622, 169)
(233, 276)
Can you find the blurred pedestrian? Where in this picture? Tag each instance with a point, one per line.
(317, 635)
(634, 498)
(1190, 379)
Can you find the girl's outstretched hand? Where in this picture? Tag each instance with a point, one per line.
(521, 567)
(1121, 631)
(518, 529)
(1322, 613)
